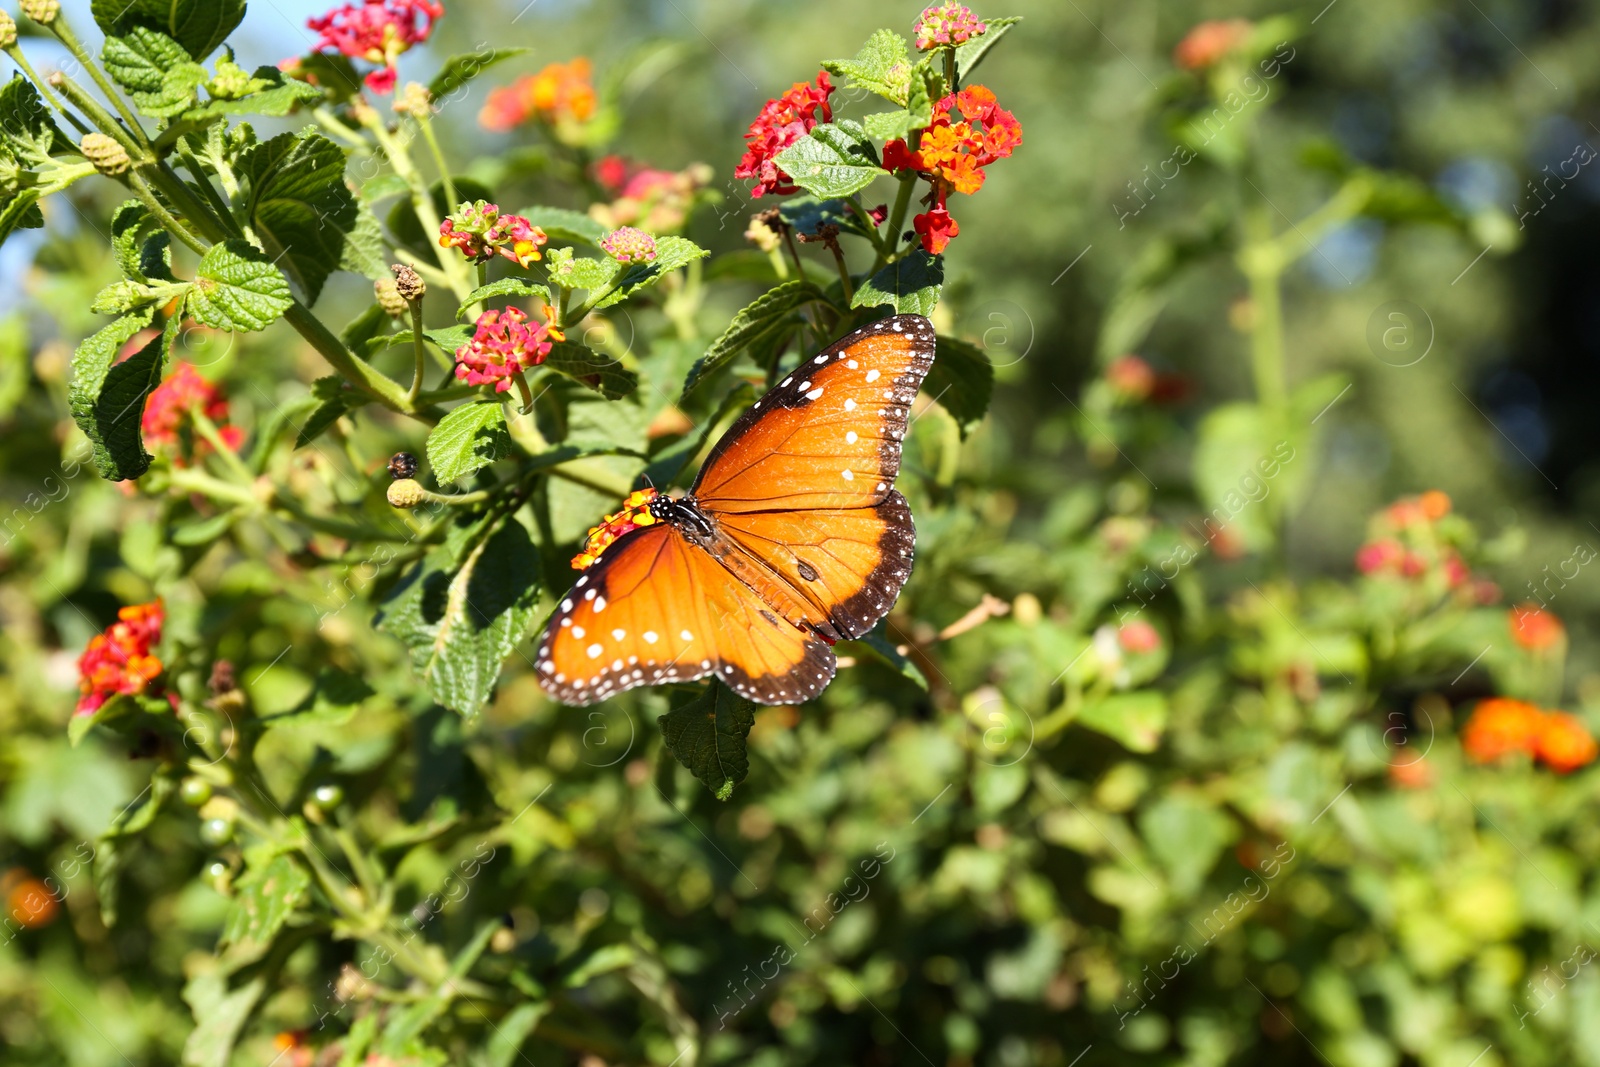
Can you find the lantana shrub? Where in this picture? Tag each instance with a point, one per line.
(1109, 784)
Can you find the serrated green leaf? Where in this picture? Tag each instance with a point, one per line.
(467, 439)
(461, 618)
(883, 66)
(198, 25)
(503, 287)
(961, 380)
(263, 900)
(156, 71)
(299, 205)
(672, 253)
(107, 398)
(572, 272)
(769, 314)
(131, 223)
(563, 225)
(594, 369)
(807, 215)
(888, 125)
(276, 95)
(706, 733)
(365, 251)
(21, 212)
(970, 54)
(26, 125)
(237, 288)
(458, 70)
(834, 159)
(910, 286)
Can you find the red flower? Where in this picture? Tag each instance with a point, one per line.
(1534, 628)
(611, 172)
(634, 514)
(936, 228)
(1139, 637)
(1501, 727)
(377, 31)
(1416, 774)
(1209, 42)
(502, 347)
(1564, 743)
(897, 157)
(1131, 377)
(878, 214)
(1376, 556)
(782, 122)
(169, 414)
(561, 94)
(119, 661)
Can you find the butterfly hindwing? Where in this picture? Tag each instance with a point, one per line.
(657, 609)
(829, 435)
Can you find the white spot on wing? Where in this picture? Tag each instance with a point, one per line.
(814, 393)
(649, 637)
(850, 438)
(850, 404)
(578, 632)
(594, 651)
(848, 475)
(872, 375)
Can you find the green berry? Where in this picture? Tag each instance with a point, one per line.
(328, 795)
(216, 832)
(195, 791)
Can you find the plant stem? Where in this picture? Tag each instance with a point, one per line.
(897, 219)
(844, 271)
(421, 197)
(63, 31)
(355, 371)
(208, 430)
(103, 120)
(21, 60)
(425, 124)
(421, 352)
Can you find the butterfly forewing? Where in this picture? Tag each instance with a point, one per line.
(658, 609)
(829, 435)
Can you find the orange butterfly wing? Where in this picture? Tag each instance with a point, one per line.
(658, 609)
(828, 435)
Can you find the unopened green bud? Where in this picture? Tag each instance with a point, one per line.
(106, 153)
(43, 12)
(406, 493)
(389, 298)
(8, 30)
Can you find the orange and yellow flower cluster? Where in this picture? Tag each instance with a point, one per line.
(120, 661)
(1501, 727)
(561, 94)
(634, 514)
(953, 154)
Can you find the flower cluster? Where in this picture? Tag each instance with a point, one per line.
(562, 94)
(503, 345)
(481, 233)
(1409, 541)
(954, 154)
(377, 31)
(782, 122)
(654, 200)
(169, 414)
(1210, 42)
(634, 514)
(1501, 727)
(629, 245)
(119, 661)
(946, 25)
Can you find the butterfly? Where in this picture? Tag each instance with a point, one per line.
(791, 538)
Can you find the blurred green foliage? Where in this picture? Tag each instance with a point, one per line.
(1141, 771)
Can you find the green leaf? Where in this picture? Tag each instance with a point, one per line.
(707, 732)
(156, 71)
(768, 315)
(594, 369)
(237, 288)
(299, 205)
(447, 338)
(672, 253)
(961, 380)
(26, 125)
(470, 437)
(276, 95)
(910, 286)
(504, 287)
(131, 225)
(220, 1014)
(107, 398)
(1134, 720)
(883, 66)
(333, 701)
(561, 224)
(198, 25)
(335, 399)
(571, 272)
(458, 70)
(462, 616)
(21, 213)
(888, 125)
(510, 1032)
(885, 650)
(807, 215)
(970, 54)
(834, 159)
(365, 251)
(1186, 834)
(263, 900)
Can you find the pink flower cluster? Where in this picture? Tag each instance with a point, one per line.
(947, 24)
(169, 414)
(504, 345)
(377, 31)
(120, 660)
(481, 233)
(629, 245)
